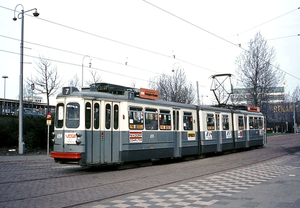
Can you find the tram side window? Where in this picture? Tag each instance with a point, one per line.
(59, 115)
(210, 122)
(165, 120)
(251, 123)
(187, 121)
(96, 115)
(116, 116)
(241, 122)
(255, 123)
(107, 116)
(225, 122)
(136, 118)
(260, 123)
(151, 119)
(88, 111)
(72, 120)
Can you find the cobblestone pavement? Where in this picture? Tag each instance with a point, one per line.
(266, 177)
(269, 184)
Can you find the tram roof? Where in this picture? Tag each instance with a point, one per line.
(123, 97)
(121, 93)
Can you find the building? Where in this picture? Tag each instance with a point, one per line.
(11, 107)
(283, 116)
(242, 95)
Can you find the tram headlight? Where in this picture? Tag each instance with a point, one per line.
(78, 141)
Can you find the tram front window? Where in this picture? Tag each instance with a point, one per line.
(72, 120)
(59, 122)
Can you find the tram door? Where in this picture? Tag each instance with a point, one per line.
(218, 132)
(110, 133)
(176, 134)
(96, 135)
(247, 128)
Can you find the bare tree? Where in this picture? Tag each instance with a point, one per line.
(96, 78)
(74, 82)
(288, 97)
(257, 70)
(174, 87)
(28, 93)
(296, 94)
(46, 79)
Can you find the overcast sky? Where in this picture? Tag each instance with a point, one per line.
(203, 36)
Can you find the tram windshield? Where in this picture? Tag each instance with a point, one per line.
(72, 120)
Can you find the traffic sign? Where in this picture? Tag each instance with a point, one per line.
(49, 116)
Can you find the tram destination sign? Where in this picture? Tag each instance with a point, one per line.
(148, 94)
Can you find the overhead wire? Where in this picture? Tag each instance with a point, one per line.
(73, 64)
(269, 21)
(150, 51)
(122, 43)
(188, 22)
(79, 54)
(119, 42)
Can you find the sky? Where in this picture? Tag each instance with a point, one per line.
(202, 35)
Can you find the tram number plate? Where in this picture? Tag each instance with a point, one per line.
(70, 138)
(135, 137)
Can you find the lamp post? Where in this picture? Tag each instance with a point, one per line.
(4, 77)
(32, 88)
(90, 64)
(21, 16)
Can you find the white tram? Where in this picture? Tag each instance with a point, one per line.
(109, 124)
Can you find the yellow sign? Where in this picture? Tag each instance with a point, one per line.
(191, 136)
(48, 122)
(285, 108)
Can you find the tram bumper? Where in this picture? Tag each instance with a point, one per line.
(66, 157)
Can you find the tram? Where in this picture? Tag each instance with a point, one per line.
(108, 124)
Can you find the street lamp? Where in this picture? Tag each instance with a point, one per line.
(90, 65)
(4, 77)
(21, 16)
(176, 66)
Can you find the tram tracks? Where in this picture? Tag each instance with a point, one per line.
(129, 181)
(156, 175)
(172, 182)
